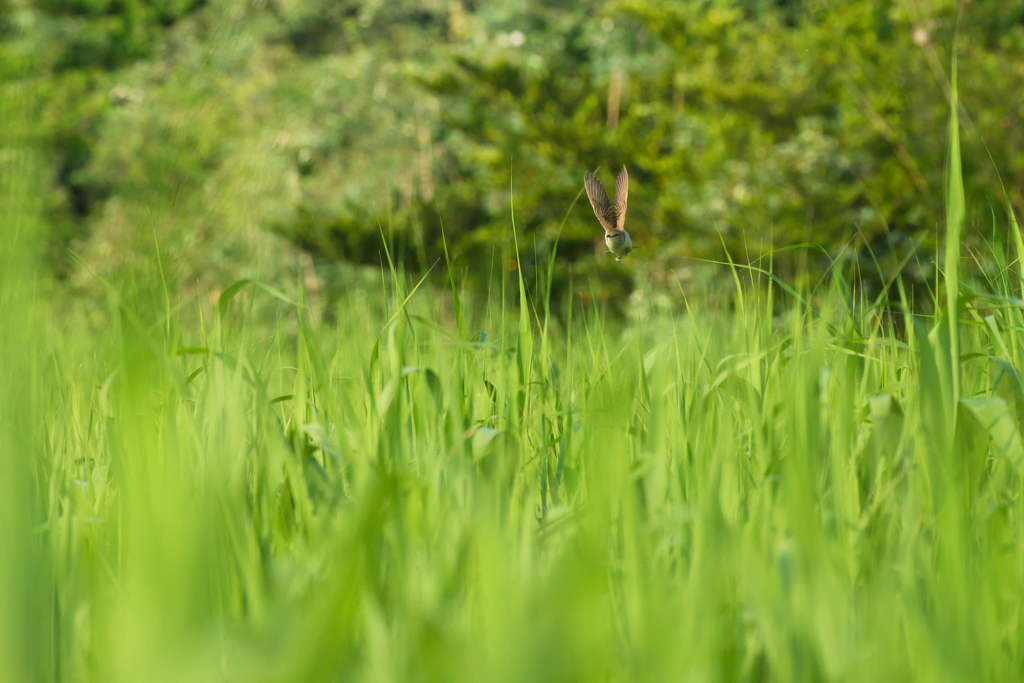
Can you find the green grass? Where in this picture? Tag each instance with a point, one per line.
(773, 492)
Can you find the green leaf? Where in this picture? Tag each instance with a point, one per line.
(1015, 383)
(194, 375)
(994, 416)
(228, 294)
(482, 438)
(278, 294)
(881, 407)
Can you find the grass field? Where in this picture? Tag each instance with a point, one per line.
(802, 486)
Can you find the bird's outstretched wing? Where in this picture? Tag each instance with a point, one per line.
(599, 200)
(621, 190)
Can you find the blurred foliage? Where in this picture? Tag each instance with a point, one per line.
(214, 125)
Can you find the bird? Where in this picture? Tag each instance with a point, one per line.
(612, 217)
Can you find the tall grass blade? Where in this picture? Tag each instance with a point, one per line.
(954, 230)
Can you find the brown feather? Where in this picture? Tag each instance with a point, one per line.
(603, 208)
(621, 190)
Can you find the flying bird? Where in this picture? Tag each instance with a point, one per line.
(612, 217)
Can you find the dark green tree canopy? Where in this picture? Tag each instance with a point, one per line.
(748, 123)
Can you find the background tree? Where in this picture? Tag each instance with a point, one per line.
(217, 125)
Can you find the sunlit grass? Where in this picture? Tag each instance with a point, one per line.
(769, 492)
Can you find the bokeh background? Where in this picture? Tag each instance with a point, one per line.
(243, 137)
(202, 479)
